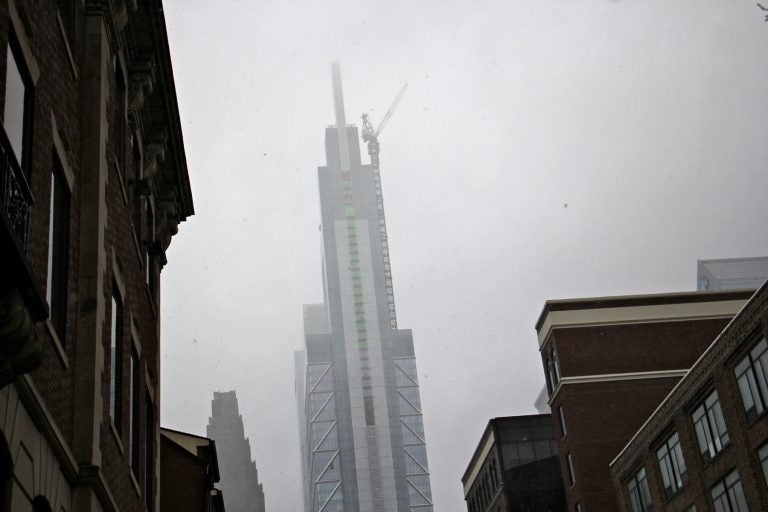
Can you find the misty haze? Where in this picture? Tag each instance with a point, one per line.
(384, 256)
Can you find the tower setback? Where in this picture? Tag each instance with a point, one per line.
(363, 444)
(239, 478)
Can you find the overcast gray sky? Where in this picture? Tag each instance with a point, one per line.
(544, 149)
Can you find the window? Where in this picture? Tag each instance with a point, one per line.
(58, 251)
(553, 369)
(40, 504)
(562, 420)
(672, 464)
(571, 474)
(17, 118)
(639, 494)
(149, 269)
(763, 454)
(67, 16)
(728, 495)
(710, 427)
(120, 118)
(133, 411)
(370, 419)
(752, 376)
(149, 455)
(138, 188)
(115, 368)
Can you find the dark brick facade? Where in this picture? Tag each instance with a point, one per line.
(714, 371)
(187, 491)
(609, 362)
(105, 122)
(189, 469)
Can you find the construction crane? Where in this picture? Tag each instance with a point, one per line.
(369, 134)
(371, 138)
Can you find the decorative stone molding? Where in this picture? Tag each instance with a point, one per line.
(142, 82)
(20, 348)
(121, 17)
(154, 115)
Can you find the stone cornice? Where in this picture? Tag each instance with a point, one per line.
(139, 32)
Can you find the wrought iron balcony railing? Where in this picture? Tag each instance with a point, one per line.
(14, 192)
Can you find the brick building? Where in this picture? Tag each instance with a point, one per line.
(706, 446)
(609, 362)
(94, 183)
(189, 470)
(515, 468)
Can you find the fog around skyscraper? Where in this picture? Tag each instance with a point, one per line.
(360, 418)
(239, 475)
(543, 150)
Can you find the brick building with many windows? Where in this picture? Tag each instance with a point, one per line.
(706, 446)
(609, 362)
(93, 183)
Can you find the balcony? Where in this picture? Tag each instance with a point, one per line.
(22, 299)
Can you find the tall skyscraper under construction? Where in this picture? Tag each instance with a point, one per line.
(362, 436)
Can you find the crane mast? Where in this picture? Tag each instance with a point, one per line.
(371, 138)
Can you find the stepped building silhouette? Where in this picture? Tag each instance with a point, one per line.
(239, 477)
(360, 422)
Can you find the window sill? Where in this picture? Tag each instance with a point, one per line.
(134, 482)
(758, 418)
(706, 462)
(57, 343)
(669, 498)
(116, 435)
(120, 177)
(151, 299)
(72, 65)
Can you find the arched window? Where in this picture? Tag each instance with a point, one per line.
(40, 504)
(6, 471)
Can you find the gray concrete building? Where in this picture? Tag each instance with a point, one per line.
(239, 476)
(359, 408)
(732, 273)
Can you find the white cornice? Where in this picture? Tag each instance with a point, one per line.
(478, 462)
(615, 377)
(637, 314)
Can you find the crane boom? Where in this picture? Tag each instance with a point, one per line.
(368, 132)
(371, 137)
(391, 110)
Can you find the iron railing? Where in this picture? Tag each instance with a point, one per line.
(14, 192)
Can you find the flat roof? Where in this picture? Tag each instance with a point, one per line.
(487, 441)
(638, 309)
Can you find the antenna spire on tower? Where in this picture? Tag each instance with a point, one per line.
(341, 122)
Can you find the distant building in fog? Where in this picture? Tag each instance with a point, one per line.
(515, 468)
(239, 477)
(732, 273)
(542, 402)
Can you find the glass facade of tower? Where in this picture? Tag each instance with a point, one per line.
(363, 444)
